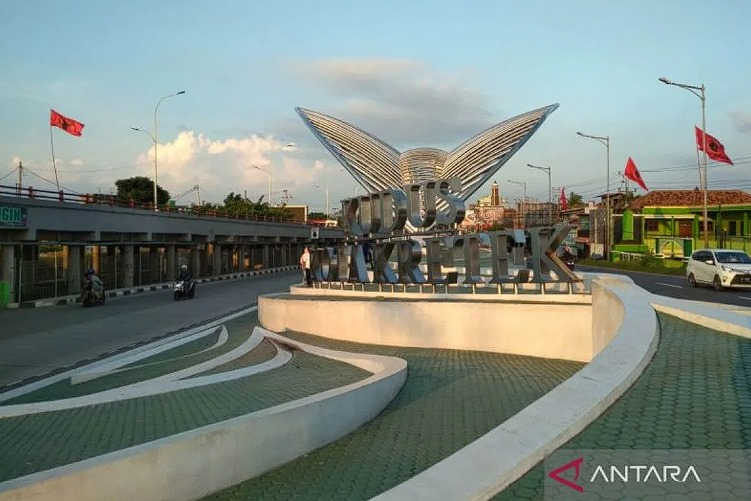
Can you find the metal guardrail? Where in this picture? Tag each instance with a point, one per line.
(513, 288)
(32, 193)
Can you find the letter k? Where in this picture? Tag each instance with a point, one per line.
(576, 464)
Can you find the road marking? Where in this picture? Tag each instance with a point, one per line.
(669, 285)
(744, 297)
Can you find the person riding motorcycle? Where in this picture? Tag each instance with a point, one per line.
(96, 283)
(185, 274)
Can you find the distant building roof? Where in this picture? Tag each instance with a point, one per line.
(690, 198)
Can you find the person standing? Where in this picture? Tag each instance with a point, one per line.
(305, 265)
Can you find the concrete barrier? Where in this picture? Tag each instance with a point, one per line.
(550, 329)
(551, 421)
(230, 452)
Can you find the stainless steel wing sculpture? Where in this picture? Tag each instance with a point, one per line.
(377, 165)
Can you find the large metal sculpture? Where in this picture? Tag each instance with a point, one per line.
(377, 166)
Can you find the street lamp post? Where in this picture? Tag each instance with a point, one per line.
(327, 197)
(153, 140)
(268, 172)
(703, 171)
(523, 184)
(606, 141)
(156, 143)
(550, 191)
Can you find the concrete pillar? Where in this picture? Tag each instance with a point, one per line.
(195, 256)
(113, 267)
(75, 273)
(171, 263)
(128, 264)
(96, 261)
(241, 258)
(217, 260)
(266, 256)
(8, 269)
(154, 260)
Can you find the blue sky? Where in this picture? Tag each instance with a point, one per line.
(411, 73)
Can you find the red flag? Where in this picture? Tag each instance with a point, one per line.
(69, 125)
(562, 199)
(632, 173)
(715, 149)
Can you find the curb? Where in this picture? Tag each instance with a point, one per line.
(130, 291)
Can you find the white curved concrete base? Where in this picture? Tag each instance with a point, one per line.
(553, 329)
(498, 458)
(194, 464)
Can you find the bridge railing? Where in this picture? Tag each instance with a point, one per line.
(29, 192)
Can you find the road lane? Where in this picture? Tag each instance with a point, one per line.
(677, 286)
(35, 341)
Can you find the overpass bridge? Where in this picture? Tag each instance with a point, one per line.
(48, 238)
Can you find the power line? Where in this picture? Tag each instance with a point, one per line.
(9, 173)
(51, 182)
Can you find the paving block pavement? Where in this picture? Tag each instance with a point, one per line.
(450, 398)
(696, 394)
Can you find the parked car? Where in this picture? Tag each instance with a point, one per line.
(720, 268)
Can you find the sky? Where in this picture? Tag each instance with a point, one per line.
(411, 73)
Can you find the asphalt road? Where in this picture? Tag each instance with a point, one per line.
(37, 340)
(677, 286)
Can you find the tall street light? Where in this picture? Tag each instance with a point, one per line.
(606, 141)
(523, 184)
(703, 171)
(286, 147)
(156, 142)
(327, 197)
(153, 139)
(268, 172)
(550, 191)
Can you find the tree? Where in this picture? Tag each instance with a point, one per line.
(317, 215)
(574, 199)
(141, 190)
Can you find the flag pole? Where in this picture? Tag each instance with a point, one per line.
(54, 164)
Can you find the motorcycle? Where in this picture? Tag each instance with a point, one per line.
(185, 288)
(90, 296)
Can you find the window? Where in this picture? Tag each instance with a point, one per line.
(733, 228)
(685, 229)
(651, 225)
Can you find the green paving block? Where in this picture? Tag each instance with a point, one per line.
(450, 398)
(41, 441)
(702, 378)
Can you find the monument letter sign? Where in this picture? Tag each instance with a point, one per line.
(380, 230)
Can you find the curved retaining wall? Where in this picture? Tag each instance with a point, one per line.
(549, 330)
(231, 451)
(494, 461)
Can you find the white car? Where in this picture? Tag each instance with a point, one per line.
(720, 268)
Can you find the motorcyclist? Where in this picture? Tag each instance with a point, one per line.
(185, 274)
(97, 286)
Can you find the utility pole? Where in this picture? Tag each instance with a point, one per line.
(20, 177)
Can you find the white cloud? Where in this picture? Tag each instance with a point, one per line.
(403, 101)
(222, 166)
(77, 162)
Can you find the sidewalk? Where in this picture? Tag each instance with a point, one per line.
(127, 291)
